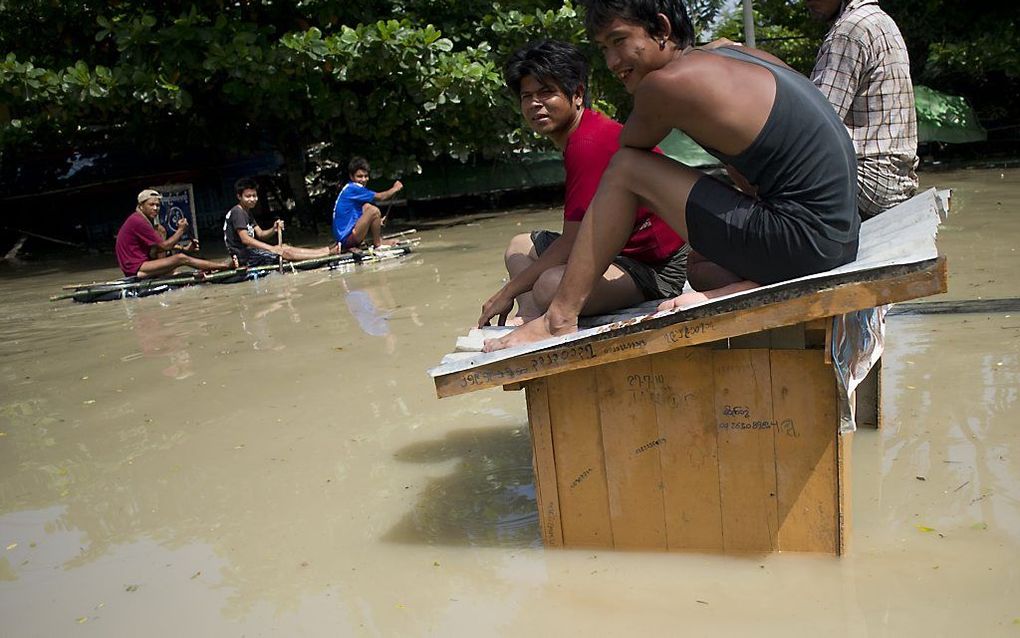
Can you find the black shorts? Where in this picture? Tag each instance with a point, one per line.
(654, 280)
(764, 242)
(258, 257)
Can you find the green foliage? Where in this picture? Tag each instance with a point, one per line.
(320, 71)
(954, 47)
(782, 27)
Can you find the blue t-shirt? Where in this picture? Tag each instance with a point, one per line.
(347, 210)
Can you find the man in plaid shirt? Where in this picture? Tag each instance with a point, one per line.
(864, 70)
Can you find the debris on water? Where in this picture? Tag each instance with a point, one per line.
(11, 546)
(961, 486)
(981, 525)
(196, 575)
(979, 498)
(82, 619)
(920, 478)
(131, 588)
(703, 602)
(925, 529)
(89, 402)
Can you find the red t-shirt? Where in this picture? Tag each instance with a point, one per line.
(134, 239)
(589, 149)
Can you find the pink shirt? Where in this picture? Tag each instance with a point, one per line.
(134, 239)
(589, 149)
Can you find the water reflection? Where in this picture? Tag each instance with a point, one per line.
(950, 431)
(488, 499)
(158, 339)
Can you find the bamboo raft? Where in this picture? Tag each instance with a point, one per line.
(133, 287)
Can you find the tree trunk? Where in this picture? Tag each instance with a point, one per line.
(294, 166)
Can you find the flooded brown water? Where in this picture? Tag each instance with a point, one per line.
(269, 458)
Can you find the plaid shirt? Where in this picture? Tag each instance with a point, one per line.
(864, 70)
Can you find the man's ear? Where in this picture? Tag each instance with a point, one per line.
(579, 97)
(665, 29)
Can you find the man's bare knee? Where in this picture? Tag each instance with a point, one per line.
(623, 165)
(520, 246)
(371, 210)
(546, 286)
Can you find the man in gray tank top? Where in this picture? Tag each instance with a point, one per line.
(795, 211)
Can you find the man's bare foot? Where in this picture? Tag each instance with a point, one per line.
(334, 249)
(685, 300)
(533, 331)
(385, 243)
(516, 322)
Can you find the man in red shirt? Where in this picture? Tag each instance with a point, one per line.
(549, 78)
(140, 248)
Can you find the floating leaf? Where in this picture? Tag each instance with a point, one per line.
(981, 525)
(11, 546)
(924, 529)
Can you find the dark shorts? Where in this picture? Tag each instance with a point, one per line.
(258, 257)
(654, 280)
(764, 242)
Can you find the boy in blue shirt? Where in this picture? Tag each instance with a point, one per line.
(355, 215)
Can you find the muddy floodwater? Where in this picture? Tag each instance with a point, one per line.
(269, 458)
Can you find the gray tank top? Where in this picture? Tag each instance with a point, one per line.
(803, 160)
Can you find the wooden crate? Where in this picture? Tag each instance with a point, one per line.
(732, 450)
(648, 434)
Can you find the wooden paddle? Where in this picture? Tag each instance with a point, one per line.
(279, 244)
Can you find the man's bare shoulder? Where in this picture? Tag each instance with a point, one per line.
(670, 81)
(686, 82)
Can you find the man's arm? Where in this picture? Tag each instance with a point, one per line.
(647, 125)
(269, 233)
(252, 242)
(390, 192)
(555, 255)
(758, 53)
(837, 71)
(166, 244)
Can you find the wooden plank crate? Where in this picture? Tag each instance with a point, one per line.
(715, 430)
(732, 450)
(716, 427)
